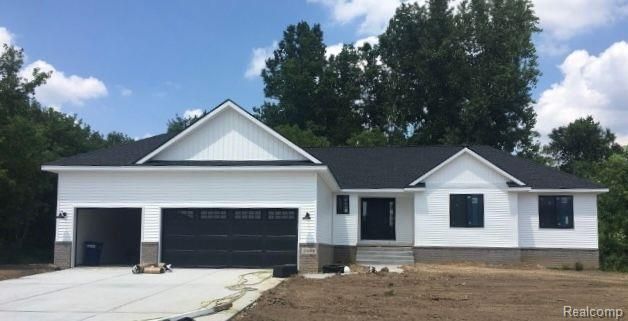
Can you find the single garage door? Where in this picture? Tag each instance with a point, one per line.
(221, 237)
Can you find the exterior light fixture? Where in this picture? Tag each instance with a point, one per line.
(62, 214)
(307, 216)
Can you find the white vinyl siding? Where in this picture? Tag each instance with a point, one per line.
(324, 211)
(465, 175)
(229, 136)
(583, 235)
(345, 226)
(155, 190)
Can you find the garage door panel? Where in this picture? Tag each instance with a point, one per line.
(242, 237)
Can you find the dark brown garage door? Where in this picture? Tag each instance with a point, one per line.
(220, 237)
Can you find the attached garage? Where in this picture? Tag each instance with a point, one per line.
(117, 230)
(229, 237)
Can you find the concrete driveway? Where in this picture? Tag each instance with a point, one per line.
(114, 293)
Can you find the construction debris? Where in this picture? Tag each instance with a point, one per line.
(156, 268)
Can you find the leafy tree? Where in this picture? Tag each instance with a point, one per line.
(115, 138)
(580, 144)
(502, 71)
(302, 137)
(179, 123)
(613, 210)
(292, 77)
(29, 136)
(369, 137)
(304, 88)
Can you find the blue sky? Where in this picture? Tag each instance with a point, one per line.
(131, 65)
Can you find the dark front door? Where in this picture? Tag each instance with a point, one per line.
(378, 218)
(224, 237)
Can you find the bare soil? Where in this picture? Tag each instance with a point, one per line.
(19, 270)
(442, 292)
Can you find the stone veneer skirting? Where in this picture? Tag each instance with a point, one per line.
(149, 253)
(542, 256)
(63, 254)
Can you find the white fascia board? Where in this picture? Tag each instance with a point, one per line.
(372, 190)
(475, 155)
(53, 168)
(414, 189)
(212, 114)
(329, 178)
(569, 190)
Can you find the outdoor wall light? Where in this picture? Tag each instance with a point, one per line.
(62, 214)
(307, 216)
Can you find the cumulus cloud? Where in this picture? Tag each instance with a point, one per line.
(562, 19)
(258, 60)
(61, 89)
(337, 48)
(6, 37)
(591, 85)
(374, 14)
(191, 113)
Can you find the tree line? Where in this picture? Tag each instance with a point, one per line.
(437, 75)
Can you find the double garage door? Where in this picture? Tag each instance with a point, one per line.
(225, 237)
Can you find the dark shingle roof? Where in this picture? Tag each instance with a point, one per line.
(353, 167)
(381, 167)
(118, 155)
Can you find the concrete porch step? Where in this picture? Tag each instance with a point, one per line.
(384, 255)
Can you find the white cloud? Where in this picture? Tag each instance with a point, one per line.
(126, 92)
(6, 37)
(337, 48)
(61, 89)
(374, 14)
(592, 85)
(562, 19)
(258, 60)
(191, 113)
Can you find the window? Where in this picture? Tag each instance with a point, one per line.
(247, 214)
(466, 210)
(342, 204)
(213, 214)
(281, 214)
(556, 211)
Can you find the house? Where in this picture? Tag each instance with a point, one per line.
(230, 191)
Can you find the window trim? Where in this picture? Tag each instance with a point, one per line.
(572, 224)
(451, 213)
(340, 208)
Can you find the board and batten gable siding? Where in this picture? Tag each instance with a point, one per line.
(229, 136)
(154, 190)
(583, 235)
(465, 175)
(324, 212)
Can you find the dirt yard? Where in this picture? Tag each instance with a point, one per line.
(442, 292)
(16, 271)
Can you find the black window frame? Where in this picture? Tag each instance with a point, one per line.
(343, 204)
(461, 219)
(551, 220)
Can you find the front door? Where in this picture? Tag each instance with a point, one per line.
(378, 218)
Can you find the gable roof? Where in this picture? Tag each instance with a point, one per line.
(226, 105)
(353, 167)
(467, 151)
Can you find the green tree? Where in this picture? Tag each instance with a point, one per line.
(613, 210)
(502, 71)
(304, 88)
(369, 137)
(292, 77)
(580, 144)
(179, 123)
(115, 138)
(29, 136)
(301, 137)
